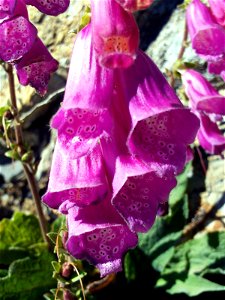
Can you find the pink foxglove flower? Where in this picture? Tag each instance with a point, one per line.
(207, 104)
(116, 41)
(7, 8)
(50, 7)
(36, 66)
(139, 189)
(81, 181)
(84, 117)
(218, 10)
(162, 127)
(207, 37)
(133, 5)
(217, 67)
(97, 233)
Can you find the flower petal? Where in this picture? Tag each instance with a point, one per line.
(82, 181)
(161, 126)
(36, 66)
(210, 137)
(139, 189)
(97, 233)
(50, 7)
(17, 36)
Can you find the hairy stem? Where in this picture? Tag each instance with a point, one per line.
(28, 168)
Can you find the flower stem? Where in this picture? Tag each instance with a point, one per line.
(28, 168)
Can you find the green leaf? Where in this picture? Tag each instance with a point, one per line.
(20, 231)
(3, 109)
(194, 259)
(28, 278)
(59, 223)
(194, 285)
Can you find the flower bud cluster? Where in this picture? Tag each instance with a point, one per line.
(20, 44)
(122, 137)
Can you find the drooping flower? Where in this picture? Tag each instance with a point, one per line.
(117, 41)
(17, 36)
(208, 105)
(207, 37)
(161, 126)
(50, 7)
(81, 181)
(97, 233)
(36, 66)
(139, 189)
(218, 10)
(133, 5)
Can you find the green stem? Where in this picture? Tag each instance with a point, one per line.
(28, 168)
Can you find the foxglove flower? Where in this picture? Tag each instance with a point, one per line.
(83, 116)
(218, 10)
(35, 67)
(17, 36)
(97, 233)
(139, 190)
(116, 42)
(6, 8)
(207, 37)
(161, 126)
(81, 181)
(50, 7)
(207, 104)
(133, 5)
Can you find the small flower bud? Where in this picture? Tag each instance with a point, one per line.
(67, 270)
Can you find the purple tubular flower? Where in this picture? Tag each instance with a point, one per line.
(207, 37)
(7, 8)
(116, 43)
(83, 116)
(50, 7)
(208, 105)
(161, 127)
(133, 5)
(35, 67)
(139, 189)
(203, 96)
(210, 137)
(17, 36)
(97, 233)
(81, 181)
(218, 10)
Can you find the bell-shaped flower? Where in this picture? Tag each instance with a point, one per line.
(218, 10)
(50, 7)
(115, 34)
(207, 37)
(17, 36)
(81, 181)
(139, 189)
(133, 5)
(98, 234)
(161, 127)
(6, 8)
(36, 66)
(84, 116)
(208, 105)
